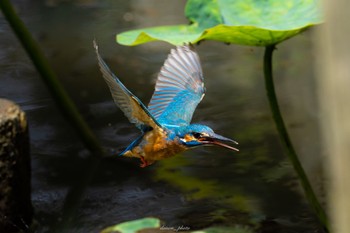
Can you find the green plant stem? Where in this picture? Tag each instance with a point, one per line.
(281, 128)
(60, 96)
(66, 106)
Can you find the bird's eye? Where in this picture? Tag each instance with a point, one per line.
(197, 135)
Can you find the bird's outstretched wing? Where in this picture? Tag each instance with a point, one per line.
(132, 107)
(179, 87)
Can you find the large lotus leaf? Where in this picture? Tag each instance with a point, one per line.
(246, 22)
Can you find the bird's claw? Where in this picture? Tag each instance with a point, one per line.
(144, 162)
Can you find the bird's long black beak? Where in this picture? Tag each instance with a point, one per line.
(219, 140)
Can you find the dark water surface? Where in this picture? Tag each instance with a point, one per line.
(203, 187)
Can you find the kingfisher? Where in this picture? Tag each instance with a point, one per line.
(165, 124)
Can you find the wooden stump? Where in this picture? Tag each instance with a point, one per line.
(15, 199)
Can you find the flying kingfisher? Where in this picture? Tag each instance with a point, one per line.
(165, 124)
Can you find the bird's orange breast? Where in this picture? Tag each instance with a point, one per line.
(155, 146)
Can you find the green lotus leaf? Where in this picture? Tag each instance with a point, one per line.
(133, 226)
(176, 35)
(245, 22)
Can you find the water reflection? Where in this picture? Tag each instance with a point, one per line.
(199, 188)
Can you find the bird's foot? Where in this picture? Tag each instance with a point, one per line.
(144, 162)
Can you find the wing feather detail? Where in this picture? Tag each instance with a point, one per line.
(132, 107)
(179, 87)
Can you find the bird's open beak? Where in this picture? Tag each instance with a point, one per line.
(219, 141)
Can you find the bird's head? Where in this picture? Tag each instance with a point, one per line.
(201, 135)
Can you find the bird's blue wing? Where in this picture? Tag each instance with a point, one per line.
(132, 107)
(179, 87)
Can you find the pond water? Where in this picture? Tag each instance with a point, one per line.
(73, 192)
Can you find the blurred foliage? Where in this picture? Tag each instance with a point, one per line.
(245, 22)
(133, 226)
(234, 229)
(175, 171)
(153, 225)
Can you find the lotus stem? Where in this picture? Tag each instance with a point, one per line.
(56, 89)
(65, 105)
(288, 146)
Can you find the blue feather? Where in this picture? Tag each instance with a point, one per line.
(179, 88)
(132, 107)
